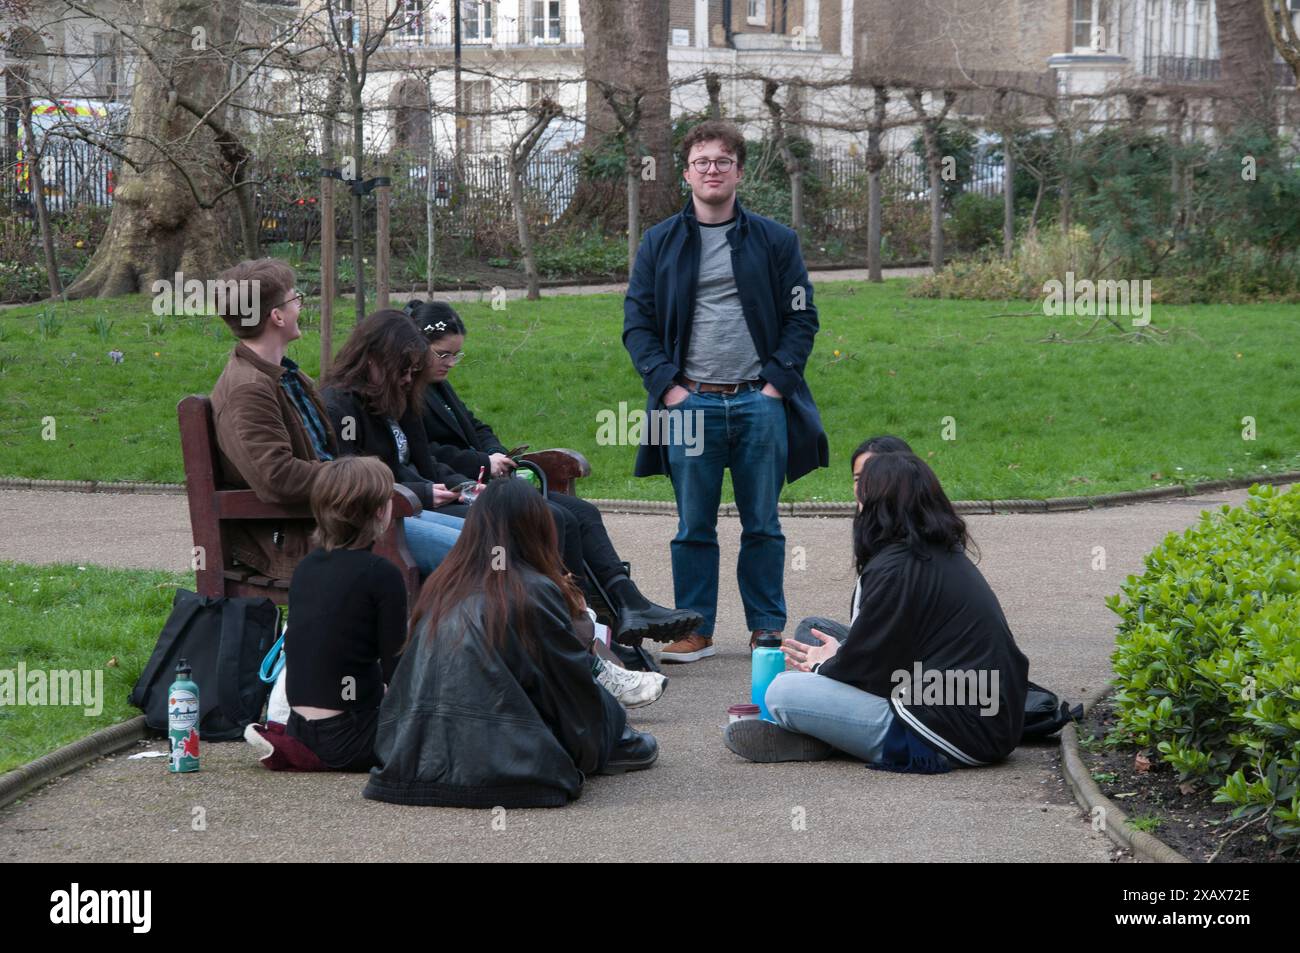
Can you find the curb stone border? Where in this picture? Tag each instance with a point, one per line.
(21, 780)
(1060, 504)
(1144, 846)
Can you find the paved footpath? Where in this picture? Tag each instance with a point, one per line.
(700, 802)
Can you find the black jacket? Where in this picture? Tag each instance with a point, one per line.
(467, 725)
(776, 297)
(367, 434)
(456, 437)
(940, 613)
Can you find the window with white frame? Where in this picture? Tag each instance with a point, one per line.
(756, 12)
(1091, 26)
(478, 125)
(107, 65)
(539, 89)
(1151, 34)
(410, 19)
(1201, 29)
(476, 21)
(547, 21)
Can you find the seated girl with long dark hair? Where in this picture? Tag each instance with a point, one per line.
(494, 703)
(372, 393)
(929, 676)
(459, 439)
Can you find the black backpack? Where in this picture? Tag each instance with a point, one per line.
(224, 641)
(1046, 714)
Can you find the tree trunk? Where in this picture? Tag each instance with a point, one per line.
(520, 151)
(1008, 196)
(37, 183)
(1246, 66)
(646, 25)
(621, 40)
(875, 163)
(633, 218)
(358, 212)
(525, 234)
(328, 238)
(713, 83)
(157, 226)
(383, 197)
(935, 161)
(430, 193)
(246, 202)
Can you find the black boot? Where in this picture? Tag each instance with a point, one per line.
(636, 751)
(639, 618)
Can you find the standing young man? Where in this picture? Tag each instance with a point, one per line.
(719, 322)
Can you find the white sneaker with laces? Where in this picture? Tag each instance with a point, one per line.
(632, 689)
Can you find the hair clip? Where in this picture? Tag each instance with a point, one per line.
(440, 326)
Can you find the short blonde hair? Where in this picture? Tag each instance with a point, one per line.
(346, 499)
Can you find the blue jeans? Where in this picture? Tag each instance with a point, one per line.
(430, 537)
(745, 432)
(846, 718)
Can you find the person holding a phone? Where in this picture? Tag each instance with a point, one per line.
(461, 441)
(372, 398)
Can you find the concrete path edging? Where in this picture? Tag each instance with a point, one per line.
(798, 508)
(1114, 821)
(14, 784)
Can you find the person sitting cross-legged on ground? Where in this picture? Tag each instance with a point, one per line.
(929, 675)
(459, 439)
(273, 433)
(494, 703)
(348, 617)
(825, 625)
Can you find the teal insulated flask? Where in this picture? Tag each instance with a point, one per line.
(766, 663)
(183, 721)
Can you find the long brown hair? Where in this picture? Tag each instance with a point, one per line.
(346, 499)
(509, 526)
(393, 342)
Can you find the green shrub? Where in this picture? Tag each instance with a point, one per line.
(976, 221)
(1207, 668)
(563, 254)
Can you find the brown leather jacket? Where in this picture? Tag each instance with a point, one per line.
(264, 446)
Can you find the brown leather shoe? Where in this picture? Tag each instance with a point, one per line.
(690, 649)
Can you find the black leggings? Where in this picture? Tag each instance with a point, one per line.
(584, 537)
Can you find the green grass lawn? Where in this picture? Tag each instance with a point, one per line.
(66, 618)
(1032, 419)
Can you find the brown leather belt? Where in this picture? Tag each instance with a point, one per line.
(705, 388)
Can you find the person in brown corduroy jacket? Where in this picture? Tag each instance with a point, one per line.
(273, 433)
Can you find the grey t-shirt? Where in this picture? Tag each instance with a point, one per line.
(721, 350)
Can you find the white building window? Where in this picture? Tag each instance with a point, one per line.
(539, 89)
(478, 125)
(410, 19)
(1202, 25)
(1091, 22)
(547, 24)
(476, 21)
(756, 12)
(1151, 35)
(107, 65)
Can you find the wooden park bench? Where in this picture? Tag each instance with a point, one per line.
(211, 504)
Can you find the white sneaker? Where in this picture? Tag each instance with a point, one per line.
(263, 747)
(632, 689)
